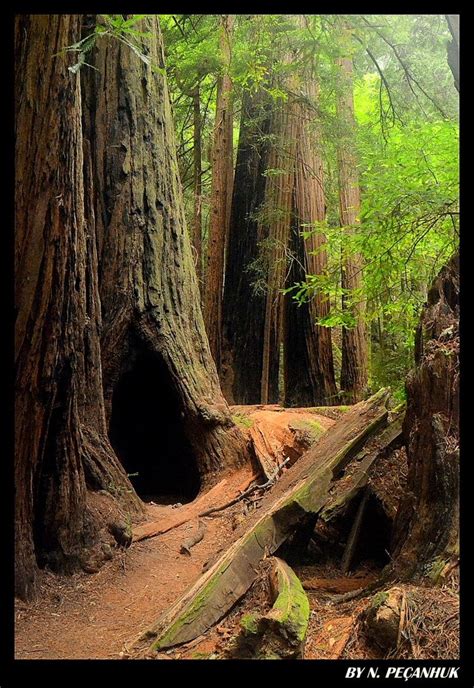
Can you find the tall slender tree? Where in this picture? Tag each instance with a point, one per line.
(197, 186)
(354, 368)
(244, 303)
(221, 194)
(275, 227)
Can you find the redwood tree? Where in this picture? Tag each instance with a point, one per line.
(244, 303)
(148, 287)
(62, 451)
(308, 359)
(275, 229)
(354, 368)
(221, 195)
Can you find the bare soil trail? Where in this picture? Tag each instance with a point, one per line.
(93, 616)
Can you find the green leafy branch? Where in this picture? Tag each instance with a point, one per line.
(113, 26)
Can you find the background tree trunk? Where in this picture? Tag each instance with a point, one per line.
(354, 368)
(244, 303)
(453, 47)
(426, 530)
(309, 368)
(152, 321)
(276, 229)
(61, 443)
(197, 154)
(221, 196)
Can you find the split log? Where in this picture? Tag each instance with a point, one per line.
(303, 489)
(356, 480)
(281, 633)
(353, 539)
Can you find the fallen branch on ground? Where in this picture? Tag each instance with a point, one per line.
(246, 493)
(194, 539)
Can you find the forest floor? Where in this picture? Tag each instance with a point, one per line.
(95, 615)
(100, 615)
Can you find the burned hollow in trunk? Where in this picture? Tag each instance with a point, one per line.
(146, 431)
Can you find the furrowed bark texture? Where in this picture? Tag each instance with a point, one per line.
(309, 367)
(276, 229)
(61, 443)
(427, 524)
(221, 196)
(148, 285)
(197, 153)
(243, 305)
(354, 372)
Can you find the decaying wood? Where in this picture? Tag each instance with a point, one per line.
(193, 539)
(248, 492)
(280, 633)
(353, 538)
(356, 480)
(304, 489)
(426, 532)
(276, 433)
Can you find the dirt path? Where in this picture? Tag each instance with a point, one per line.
(94, 616)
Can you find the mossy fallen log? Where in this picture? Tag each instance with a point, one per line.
(281, 633)
(355, 480)
(303, 490)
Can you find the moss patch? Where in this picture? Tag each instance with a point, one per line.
(379, 599)
(242, 421)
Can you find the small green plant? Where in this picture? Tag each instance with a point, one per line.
(242, 421)
(113, 26)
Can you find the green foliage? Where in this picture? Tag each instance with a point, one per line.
(113, 26)
(406, 145)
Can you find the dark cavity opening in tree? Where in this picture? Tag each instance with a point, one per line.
(316, 542)
(147, 433)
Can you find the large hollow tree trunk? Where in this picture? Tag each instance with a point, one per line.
(221, 196)
(244, 303)
(148, 286)
(354, 368)
(308, 367)
(61, 443)
(426, 531)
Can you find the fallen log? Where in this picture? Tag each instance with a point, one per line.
(303, 489)
(357, 479)
(281, 633)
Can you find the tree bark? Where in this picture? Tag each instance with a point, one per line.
(243, 304)
(221, 196)
(354, 369)
(453, 47)
(197, 154)
(308, 367)
(275, 228)
(148, 285)
(61, 443)
(426, 530)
